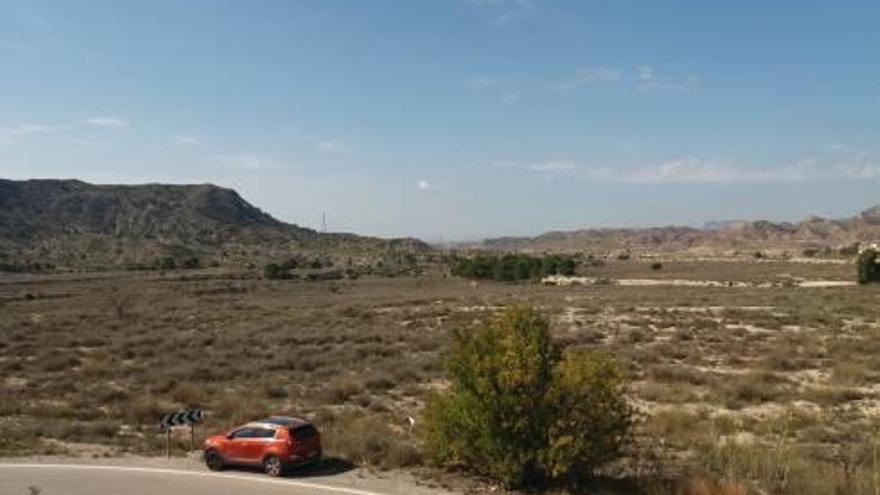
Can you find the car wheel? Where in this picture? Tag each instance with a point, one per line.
(272, 466)
(214, 460)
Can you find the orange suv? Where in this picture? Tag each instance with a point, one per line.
(274, 444)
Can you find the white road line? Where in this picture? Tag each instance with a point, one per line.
(300, 484)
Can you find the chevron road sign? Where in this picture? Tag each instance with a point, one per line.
(187, 417)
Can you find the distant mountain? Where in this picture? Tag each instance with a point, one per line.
(811, 233)
(73, 223)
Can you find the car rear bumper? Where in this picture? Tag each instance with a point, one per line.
(302, 460)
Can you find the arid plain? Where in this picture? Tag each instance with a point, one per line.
(755, 370)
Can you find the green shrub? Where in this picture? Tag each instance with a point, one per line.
(274, 271)
(868, 269)
(521, 411)
(592, 420)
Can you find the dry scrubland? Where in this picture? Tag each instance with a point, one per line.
(772, 388)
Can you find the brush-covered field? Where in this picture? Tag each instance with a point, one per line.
(771, 386)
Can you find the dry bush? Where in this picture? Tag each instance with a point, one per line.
(238, 407)
(341, 390)
(694, 486)
(672, 373)
(849, 372)
(146, 411)
(755, 388)
(677, 426)
(366, 440)
(188, 394)
(59, 362)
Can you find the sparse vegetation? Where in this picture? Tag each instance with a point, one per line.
(96, 359)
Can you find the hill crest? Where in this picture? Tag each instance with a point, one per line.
(71, 222)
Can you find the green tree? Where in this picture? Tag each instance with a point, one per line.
(520, 412)
(506, 268)
(567, 266)
(866, 265)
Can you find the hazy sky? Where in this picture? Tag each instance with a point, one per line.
(455, 118)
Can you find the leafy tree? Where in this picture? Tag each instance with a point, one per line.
(868, 269)
(506, 268)
(522, 411)
(567, 266)
(550, 265)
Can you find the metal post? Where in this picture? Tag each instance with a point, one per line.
(168, 442)
(192, 436)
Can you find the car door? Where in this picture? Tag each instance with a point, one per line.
(259, 442)
(238, 444)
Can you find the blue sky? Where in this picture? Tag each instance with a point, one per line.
(455, 119)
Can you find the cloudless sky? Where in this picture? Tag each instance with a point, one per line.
(455, 119)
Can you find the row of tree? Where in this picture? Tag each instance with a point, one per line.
(510, 267)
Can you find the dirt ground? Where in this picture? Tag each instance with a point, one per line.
(767, 380)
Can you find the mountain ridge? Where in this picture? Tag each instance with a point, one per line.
(810, 233)
(71, 222)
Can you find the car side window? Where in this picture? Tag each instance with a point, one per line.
(242, 433)
(264, 433)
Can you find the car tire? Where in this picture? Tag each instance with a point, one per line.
(273, 466)
(214, 460)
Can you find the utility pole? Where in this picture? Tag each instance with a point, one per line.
(323, 222)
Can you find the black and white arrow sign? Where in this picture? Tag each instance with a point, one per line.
(180, 418)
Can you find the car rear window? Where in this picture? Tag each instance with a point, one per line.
(304, 432)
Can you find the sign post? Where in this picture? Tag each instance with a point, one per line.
(189, 417)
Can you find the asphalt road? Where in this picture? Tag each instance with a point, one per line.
(63, 479)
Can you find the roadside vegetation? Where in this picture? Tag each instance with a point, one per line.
(523, 411)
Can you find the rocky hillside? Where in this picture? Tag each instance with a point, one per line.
(813, 235)
(72, 223)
